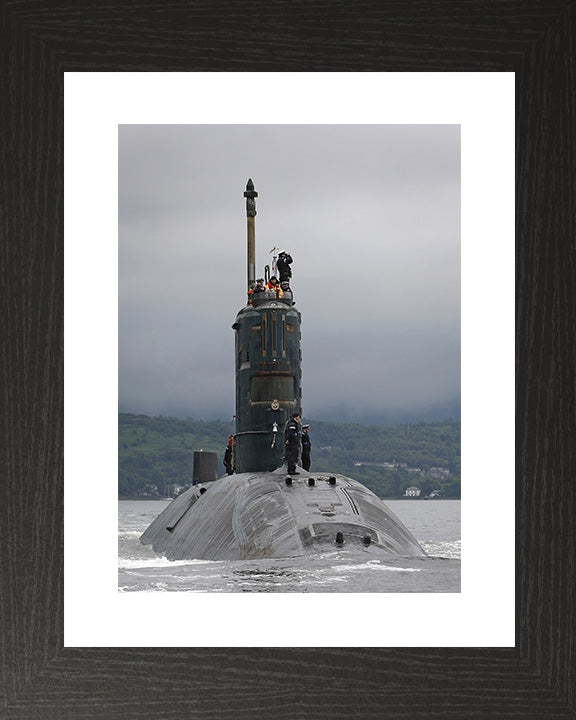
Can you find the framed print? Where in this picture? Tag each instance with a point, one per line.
(42, 677)
(110, 114)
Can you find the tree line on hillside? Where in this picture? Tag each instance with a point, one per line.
(155, 455)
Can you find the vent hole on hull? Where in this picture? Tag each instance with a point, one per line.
(288, 481)
(367, 540)
(311, 481)
(332, 480)
(339, 538)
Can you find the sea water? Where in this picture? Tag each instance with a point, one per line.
(434, 523)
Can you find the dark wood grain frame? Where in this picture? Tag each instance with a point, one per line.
(41, 39)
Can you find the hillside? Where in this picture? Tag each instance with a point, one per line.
(155, 455)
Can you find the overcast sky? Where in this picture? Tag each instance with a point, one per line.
(371, 216)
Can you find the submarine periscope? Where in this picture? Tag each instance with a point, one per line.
(262, 511)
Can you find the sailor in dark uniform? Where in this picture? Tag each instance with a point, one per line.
(259, 287)
(283, 266)
(292, 434)
(306, 447)
(228, 456)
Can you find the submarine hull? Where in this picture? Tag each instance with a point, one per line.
(272, 515)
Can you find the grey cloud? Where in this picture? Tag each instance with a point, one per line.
(371, 215)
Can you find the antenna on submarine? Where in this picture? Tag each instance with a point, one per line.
(274, 258)
(251, 196)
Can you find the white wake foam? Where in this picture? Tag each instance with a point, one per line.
(134, 564)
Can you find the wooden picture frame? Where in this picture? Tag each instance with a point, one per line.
(42, 679)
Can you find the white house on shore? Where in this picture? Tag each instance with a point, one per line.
(412, 492)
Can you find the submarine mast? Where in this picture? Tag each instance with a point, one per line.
(251, 196)
(268, 366)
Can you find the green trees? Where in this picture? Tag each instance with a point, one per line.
(157, 453)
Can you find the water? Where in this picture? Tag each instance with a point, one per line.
(434, 523)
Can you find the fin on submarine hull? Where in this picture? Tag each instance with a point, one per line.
(273, 515)
(260, 511)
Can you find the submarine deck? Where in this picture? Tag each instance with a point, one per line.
(273, 514)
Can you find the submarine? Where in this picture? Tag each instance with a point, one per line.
(261, 510)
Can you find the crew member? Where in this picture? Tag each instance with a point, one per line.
(228, 456)
(306, 447)
(283, 266)
(257, 288)
(292, 434)
(274, 285)
(286, 293)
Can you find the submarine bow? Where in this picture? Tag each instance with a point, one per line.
(259, 515)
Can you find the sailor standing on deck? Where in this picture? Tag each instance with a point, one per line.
(228, 456)
(292, 434)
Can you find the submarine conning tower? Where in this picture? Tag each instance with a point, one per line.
(268, 367)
